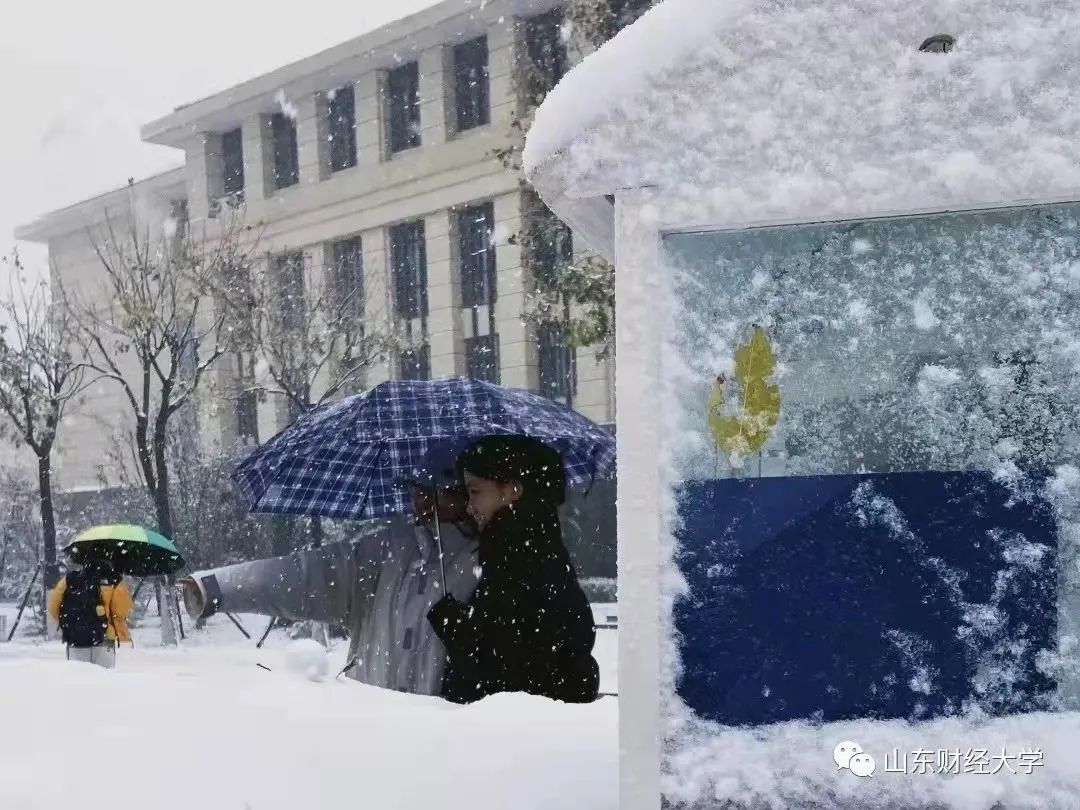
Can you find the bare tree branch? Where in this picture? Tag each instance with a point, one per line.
(306, 330)
(40, 376)
(148, 339)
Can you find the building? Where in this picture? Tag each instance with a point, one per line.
(375, 160)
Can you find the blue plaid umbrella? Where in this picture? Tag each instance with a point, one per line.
(342, 460)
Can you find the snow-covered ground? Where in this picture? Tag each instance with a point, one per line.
(204, 726)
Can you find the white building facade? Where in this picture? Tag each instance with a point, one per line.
(377, 158)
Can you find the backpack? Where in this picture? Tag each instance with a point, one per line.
(80, 623)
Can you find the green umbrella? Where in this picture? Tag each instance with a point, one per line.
(132, 550)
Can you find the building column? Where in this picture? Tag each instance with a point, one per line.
(444, 295)
(368, 93)
(312, 138)
(436, 95)
(228, 376)
(258, 158)
(518, 354)
(506, 44)
(318, 283)
(378, 310)
(204, 172)
(218, 427)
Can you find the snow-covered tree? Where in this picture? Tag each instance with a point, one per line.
(20, 533)
(150, 329)
(42, 374)
(574, 295)
(306, 337)
(307, 331)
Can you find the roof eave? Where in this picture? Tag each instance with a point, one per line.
(590, 217)
(75, 217)
(381, 47)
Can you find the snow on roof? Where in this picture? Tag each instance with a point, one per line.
(775, 108)
(658, 41)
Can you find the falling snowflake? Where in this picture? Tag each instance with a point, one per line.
(287, 107)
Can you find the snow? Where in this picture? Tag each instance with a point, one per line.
(660, 39)
(308, 658)
(240, 736)
(975, 765)
(287, 107)
(756, 110)
(925, 320)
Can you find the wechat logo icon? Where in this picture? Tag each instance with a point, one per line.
(850, 755)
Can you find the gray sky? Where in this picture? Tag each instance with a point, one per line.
(79, 78)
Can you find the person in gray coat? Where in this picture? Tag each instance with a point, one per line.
(379, 586)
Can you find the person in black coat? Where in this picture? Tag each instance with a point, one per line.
(528, 627)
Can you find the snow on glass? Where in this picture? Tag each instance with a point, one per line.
(936, 343)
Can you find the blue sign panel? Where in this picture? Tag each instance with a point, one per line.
(894, 595)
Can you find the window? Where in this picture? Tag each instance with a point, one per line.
(403, 107)
(476, 226)
(482, 358)
(342, 137)
(289, 272)
(184, 431)
(551, 248)
(247, 417)
(910, 369)
(471, 84)
(624, 12)
(349, 277)
(232, 155)
(558, 365)
(176, 227)
(286, 161)
(550, 243)
(408, 259)
(293, 410)
(247, 401)
(476, 253)
(546, 47)
(416, 363)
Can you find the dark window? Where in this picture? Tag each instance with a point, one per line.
(232, 155)
(247, 401)
(349, 277)
(286, 161)
(471, 83)
(548, 59)
(416, 363)
(624, 12)
(476, 225)
(178, 214)
(293, 410)
(558, 366)
(403, 107)
(408, 258)
(342, 136)
(551, 244)
(185, 430)
(290, 288)
(247, 416)
(482, 358)
(551, 249)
